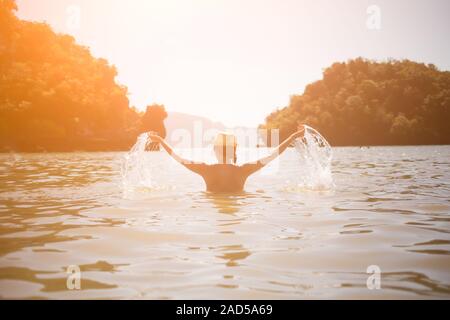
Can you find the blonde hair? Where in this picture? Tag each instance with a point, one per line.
(224, 141)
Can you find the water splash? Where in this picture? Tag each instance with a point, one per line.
(315, 161)
(136, 173)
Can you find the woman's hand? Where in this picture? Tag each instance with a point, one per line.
(154, 137)
(299, 133)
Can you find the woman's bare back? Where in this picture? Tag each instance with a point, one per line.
(224, 177)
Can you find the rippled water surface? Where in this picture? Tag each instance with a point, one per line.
(390, 208)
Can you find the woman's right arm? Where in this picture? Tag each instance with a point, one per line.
(261, 163)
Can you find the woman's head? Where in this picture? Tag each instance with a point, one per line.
(225, 148)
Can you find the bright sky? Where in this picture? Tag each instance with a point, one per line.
(235, 61)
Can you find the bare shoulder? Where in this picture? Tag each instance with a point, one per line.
(197, 167)
(251, 167)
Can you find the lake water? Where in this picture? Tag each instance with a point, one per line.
(390, 208)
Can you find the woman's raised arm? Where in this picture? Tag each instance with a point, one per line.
(253, 167)
(191, 165)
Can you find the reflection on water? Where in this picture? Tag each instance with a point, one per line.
(390, 208)
(230, 203)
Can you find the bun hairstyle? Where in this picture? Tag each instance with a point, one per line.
(223, 143)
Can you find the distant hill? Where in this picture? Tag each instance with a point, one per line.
(182, 121)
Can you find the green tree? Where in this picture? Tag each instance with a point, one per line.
(54, 95)
(364, 102)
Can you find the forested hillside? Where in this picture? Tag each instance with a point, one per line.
(54, 95)
(363, 102)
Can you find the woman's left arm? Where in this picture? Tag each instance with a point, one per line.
(191, 165)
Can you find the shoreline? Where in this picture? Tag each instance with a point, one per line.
(126, 150)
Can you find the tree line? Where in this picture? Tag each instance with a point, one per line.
(55, 96)
(364, 102)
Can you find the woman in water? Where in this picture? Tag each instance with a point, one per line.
(226, 176)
